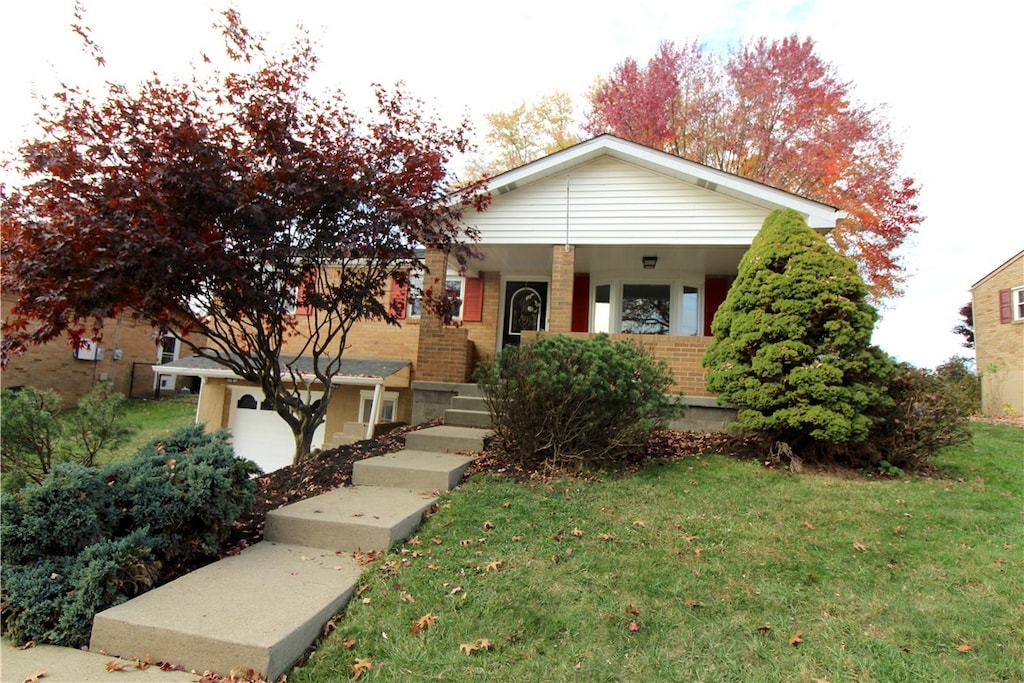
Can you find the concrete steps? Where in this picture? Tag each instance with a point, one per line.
(447, 439)
(263, 608)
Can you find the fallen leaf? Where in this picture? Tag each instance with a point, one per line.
(606, 537)
(691, 603)
(795, 639)
(415, 540)
(479, 644)
(488, 525)
(698, 551)
(639, 522)
(965, 647)
(632, 610)
(455, 590)
(422, 624)
(330, 626)
(494, 566)
(506, 504)
(26, 646)
(360, 667)
(808, 525)
(860, 547)
(365, 588)
(690, 539)
(348, 643)
(436, 540)
(405, 597)
(898, 530)
(634, 627)
(34, 678)
(577, 532)
(764, 629)
(114, 665)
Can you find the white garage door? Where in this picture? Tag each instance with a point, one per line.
(258, 432)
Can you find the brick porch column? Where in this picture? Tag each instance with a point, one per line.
(444, 354)
(563, 267)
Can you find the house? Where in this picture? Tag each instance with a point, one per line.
(125, 357)
(605, 236)
(998, 301)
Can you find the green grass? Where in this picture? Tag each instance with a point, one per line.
(719, 563)
(152, 419)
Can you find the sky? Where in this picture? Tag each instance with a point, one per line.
(946, 77)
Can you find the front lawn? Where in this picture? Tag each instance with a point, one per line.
(707, 568)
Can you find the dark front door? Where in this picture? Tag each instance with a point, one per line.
(526, 309)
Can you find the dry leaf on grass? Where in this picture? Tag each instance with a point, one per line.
(577, 532)
(796, 638)
(691, 603)
(34, 678)
(965, 647)
(422, 624)
(114, 665)
(360, 667)
(634, 627)
(860, 547)
(479, 644)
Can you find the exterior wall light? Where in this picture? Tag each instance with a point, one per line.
(650, 262)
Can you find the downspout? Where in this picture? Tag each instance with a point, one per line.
(376, 407)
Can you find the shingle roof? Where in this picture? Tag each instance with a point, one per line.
(350, 367)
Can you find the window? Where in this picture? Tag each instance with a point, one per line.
(1017, 298)
(647, 308)
(388, 410)
(454, 286)
(170, 347)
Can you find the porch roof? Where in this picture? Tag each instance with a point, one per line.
(819, 216)
(353, 371)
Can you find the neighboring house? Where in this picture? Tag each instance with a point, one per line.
(605, 236)
(125, 357)
(998, 301)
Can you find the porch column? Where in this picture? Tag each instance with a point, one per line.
(563, 267)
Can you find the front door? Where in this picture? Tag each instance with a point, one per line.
(526, 309)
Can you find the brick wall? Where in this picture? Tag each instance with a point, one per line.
(683, 355)
(563, 266)
(999, 347)
(53, 366)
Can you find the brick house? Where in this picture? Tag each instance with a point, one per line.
(998, 301)
(125, 357)
(605, 236)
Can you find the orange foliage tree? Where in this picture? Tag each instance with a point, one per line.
(774, 112)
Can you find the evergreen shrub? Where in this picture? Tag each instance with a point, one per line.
(792, 344)
(86, 539)
(566, 401)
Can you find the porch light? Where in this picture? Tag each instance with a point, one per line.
(650, 262)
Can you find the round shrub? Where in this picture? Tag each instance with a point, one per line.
(563, 400)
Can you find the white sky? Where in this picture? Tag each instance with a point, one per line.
(946, 74)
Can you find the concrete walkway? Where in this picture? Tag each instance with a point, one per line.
(261, 609)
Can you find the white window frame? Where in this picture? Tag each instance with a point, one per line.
(389, 397)
(677, 292)
(414, 300)
(1017, 303)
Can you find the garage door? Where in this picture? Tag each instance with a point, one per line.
(259, 434)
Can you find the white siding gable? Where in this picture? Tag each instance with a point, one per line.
(609, 201)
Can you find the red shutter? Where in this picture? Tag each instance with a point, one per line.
(398, 299)
(473, 300)
(302, 307)
(1005, 306)
(715, 291)
(581, 303)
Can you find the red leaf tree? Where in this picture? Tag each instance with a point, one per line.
(220, 204)
(776, 113)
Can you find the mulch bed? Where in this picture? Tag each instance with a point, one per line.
(333, 468)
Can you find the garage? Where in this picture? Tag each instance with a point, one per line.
(258, 432)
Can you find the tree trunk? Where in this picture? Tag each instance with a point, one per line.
(304, 440)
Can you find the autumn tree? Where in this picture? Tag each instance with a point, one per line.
(792, 343)
(774, 112)
(965, 328)
(527, 132)
(236, 204)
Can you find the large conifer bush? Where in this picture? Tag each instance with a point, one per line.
(792, 348)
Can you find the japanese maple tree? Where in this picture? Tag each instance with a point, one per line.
(237, 204)
(774, 112)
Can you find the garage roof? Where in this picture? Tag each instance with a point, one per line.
(351, 371)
